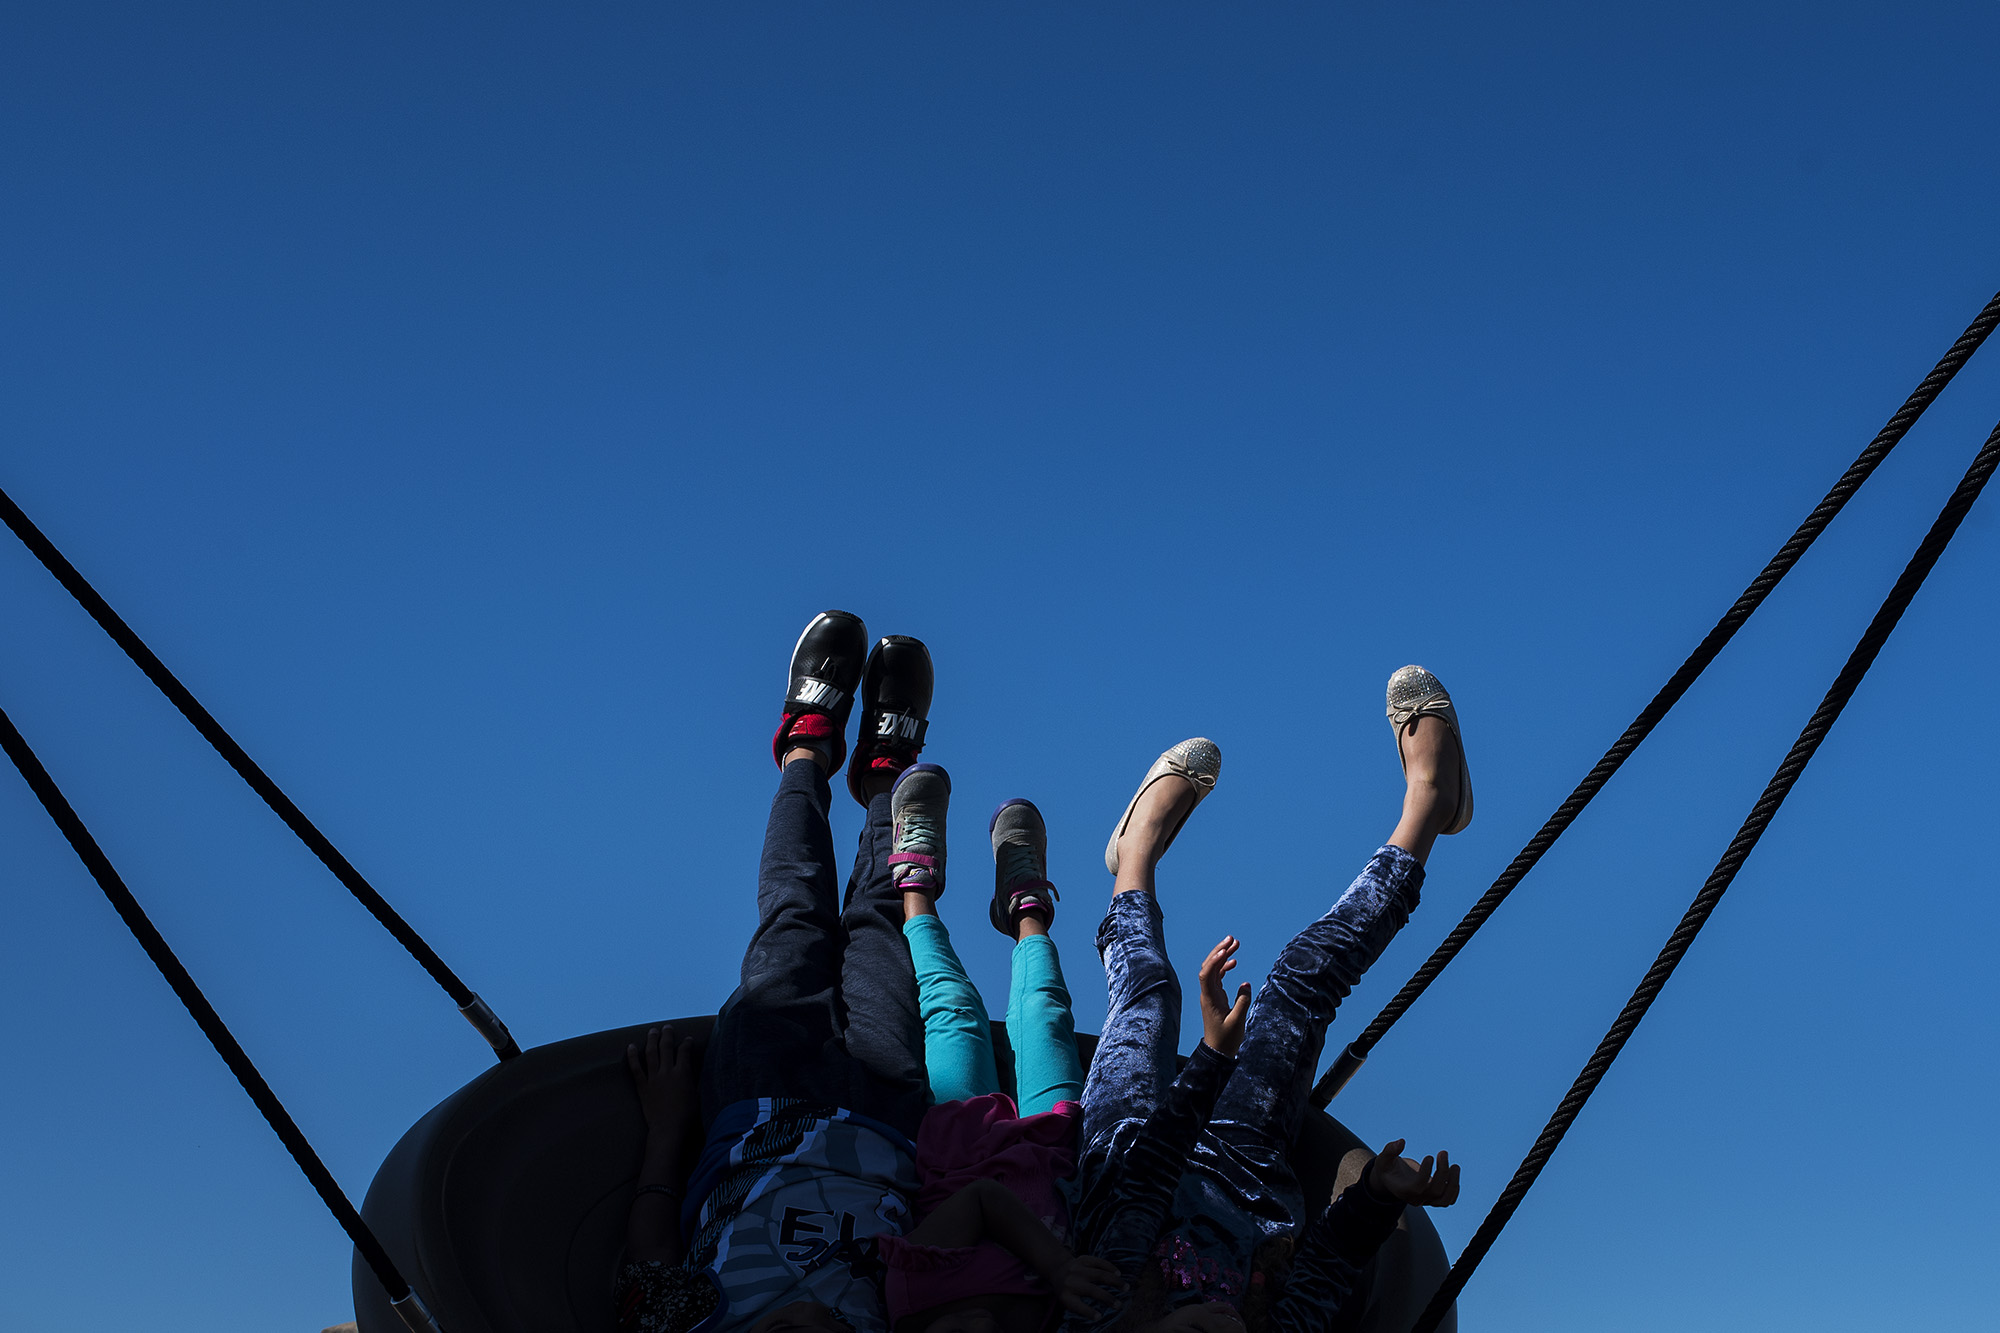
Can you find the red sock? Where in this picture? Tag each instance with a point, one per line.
(811, 730)
(892, 762)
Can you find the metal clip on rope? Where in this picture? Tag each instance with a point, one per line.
(416, 1316)
(1344, 1067)
(488, 1025)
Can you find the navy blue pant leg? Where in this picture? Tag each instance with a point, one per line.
(780, 1031)
(881, 1020)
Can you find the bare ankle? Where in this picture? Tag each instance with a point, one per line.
(1161, 811)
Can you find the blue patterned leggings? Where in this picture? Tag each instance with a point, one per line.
(1264, 1102)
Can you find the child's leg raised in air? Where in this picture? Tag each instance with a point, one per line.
(1134, 1063)
(1047, 1068)
(958, 1037)
(1040, 1027)
(902, 847)
(773, 1033)
(1265, 1099)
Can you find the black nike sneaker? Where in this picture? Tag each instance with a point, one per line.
(895, 711)
(826, 667)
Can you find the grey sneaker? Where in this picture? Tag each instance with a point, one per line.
(1414, 693)
(917, 806)
(1020, 866)
(1198, 759)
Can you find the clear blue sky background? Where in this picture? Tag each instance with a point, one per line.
(471, 406)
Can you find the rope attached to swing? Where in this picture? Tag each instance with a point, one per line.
(1816, 728)
(1350, 1057)
(407, 1303)
(475, 1010)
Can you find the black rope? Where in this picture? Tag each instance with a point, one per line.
(1740, 846)
(469, 1004)
(1725, 629)
(204, 1014)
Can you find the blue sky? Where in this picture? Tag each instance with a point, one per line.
(472, 406)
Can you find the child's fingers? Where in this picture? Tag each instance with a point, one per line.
(1444, 1186)
(632, 1062)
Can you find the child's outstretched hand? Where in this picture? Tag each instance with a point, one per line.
(1395, 1176)
(1088, 1285)
(667, 1074)
(1221, 1019)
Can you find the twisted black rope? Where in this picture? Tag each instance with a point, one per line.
(1740, 846)
(475, 1009)
(1725, 629)
(211, 1023)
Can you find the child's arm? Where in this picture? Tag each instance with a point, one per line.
(988, 1210)
(1342, 1239)
(666, 1074)
(1122, 1210)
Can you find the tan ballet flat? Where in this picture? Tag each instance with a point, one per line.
(1414, 693)
(1197, 759)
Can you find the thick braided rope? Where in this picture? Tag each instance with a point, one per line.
(1740, 846)
(476, 1012)
(210, 1022)
(1670, 694)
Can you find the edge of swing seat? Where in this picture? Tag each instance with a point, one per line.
(505, 1205)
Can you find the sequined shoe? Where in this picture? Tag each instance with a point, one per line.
(1197, 759)
(917, 805)
(895, 711)
(826, 666)
(1020, 867)
(1414, 693)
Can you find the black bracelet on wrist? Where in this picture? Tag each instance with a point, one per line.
(670, 1191)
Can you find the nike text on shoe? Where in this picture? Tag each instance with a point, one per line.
(895, 711)
(826, 670)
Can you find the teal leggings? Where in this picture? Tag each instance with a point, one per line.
(958, 1038)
